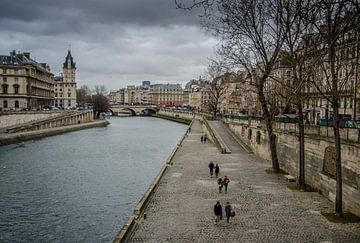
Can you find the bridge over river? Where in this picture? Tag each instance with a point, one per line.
(133, 110)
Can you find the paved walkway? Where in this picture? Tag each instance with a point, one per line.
(181, 209)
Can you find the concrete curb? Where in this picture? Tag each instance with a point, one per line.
(239, 140)
(7, 139)
(139, 208)
(223, 149)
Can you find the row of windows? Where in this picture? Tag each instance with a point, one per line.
(61, 95)
(61, 90)
(66, 85)
(5, 88)
(16, 79)
(7, 71)
(5, 104)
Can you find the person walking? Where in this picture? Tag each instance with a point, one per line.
(205, 138)
(217, 212)
(228, 211)
(202, 139)
(211, 167)
(220, 183)
(217, 170)
(225, 182)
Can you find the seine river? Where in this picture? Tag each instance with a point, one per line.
(81, 186)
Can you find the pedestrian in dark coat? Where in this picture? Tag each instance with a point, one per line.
(211, 167)
(219, 182)
(217, 212)
(225, 182)
(205, 139)
(228, 211)
(217, 170)
(202, 139)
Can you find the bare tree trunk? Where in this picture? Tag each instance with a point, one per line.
(336, 126)
(302, 146)
(269, 128)
(338, 200)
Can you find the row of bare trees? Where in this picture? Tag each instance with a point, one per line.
(96, 97)
(308, 34)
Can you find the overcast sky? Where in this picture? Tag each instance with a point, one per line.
(114, 42)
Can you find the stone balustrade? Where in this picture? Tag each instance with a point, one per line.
(71, 118)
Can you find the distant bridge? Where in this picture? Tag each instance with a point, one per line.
(134, 110)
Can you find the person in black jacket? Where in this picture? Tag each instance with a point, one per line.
(211, 167)
(217, 212)
(228, 211)
(217, 170)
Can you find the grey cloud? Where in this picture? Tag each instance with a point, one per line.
(114, 42)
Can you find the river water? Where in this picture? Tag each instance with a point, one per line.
(81, 186)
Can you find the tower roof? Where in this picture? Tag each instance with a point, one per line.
(69, 61)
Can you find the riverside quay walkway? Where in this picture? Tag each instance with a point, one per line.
(181, 209)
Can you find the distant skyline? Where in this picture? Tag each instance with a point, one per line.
(114, 42)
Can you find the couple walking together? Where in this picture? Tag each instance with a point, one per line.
(218, 212)
(213, 167)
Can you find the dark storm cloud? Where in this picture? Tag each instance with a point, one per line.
(72, 12)
(113, 41)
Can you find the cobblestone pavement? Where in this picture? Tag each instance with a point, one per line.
(181, 209)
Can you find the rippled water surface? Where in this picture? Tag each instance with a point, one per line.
(81, 186)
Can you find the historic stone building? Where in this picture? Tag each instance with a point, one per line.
(65, 85)
(170, 94)
(25, 83)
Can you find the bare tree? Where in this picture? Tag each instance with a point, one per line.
(251, 40)
(99, 89)
(83, 94)
(332, 20)
(296, 25)
(218, 80)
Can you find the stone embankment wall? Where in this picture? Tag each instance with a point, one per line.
(124, 232)
(319, 156)
(180, 116)
(11, 119)
(60, 120)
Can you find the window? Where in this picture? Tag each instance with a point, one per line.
(4, 70)
(5, 80)
(5, 88)
(69, 94)
(16, 104)
(5, 104)
(16, 79)
(16, 88)
(15, 71)
(69, 90)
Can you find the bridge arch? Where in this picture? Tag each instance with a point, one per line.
(148, 111)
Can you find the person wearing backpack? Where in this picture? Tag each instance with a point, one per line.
(228, 211)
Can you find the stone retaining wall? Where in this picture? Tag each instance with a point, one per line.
(255, 136)
(62, 119)
(11, 119)
(6, 139)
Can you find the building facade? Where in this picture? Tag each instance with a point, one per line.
(25, 83)
(65, 85)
